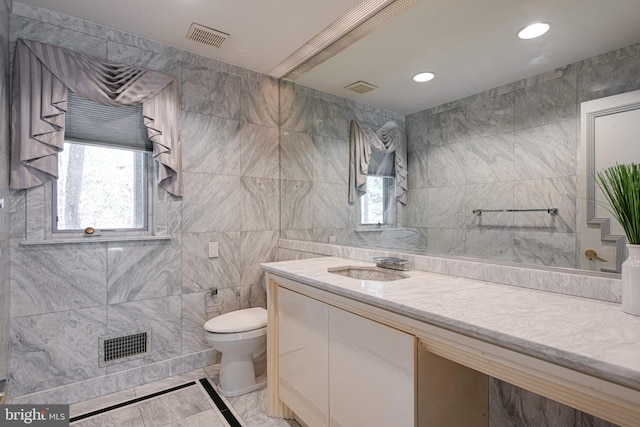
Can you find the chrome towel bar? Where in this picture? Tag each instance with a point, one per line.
(550, 211)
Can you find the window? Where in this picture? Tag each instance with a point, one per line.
(100, 187)
(376, 205)
(102, 171)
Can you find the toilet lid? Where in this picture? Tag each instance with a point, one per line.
(238, 321)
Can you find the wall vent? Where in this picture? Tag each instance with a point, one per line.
(121, 348)
(361, 87)
(209, 36)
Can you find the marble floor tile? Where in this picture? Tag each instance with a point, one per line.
(163, 409)
(101, 402)
(187, 407)
(129, 416)
(166, 383)
(208, 418)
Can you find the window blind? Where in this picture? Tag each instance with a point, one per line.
(90, 122)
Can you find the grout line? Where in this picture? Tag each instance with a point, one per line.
(130, 402)
(222, 407)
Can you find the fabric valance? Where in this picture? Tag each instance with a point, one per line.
(43, 73)
(365, 139)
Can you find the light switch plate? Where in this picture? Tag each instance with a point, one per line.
(213, 249)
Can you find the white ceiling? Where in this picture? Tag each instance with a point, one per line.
(469, 44)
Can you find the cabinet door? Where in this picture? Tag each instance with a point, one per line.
(371, 380)
(303, 356)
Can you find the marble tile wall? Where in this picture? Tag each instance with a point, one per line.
(63, 297)
(315, 165)
(512, 406)
(5, 265)
(514, 146)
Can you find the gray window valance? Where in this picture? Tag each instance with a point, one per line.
(370, 154)
(42, 75)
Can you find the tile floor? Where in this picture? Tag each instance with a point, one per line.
(190, 406)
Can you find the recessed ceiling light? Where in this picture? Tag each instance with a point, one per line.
(534, 30)
(423, 77)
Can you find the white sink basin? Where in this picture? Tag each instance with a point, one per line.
(368, 273)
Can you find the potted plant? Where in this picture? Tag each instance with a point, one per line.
(620, 185)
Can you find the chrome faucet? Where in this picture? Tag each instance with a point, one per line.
(392, 263)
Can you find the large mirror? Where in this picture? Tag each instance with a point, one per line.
(499, 128)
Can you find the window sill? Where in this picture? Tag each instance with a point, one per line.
(374, 229)
(93, 239)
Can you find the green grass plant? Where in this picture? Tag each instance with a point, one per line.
(620, 184)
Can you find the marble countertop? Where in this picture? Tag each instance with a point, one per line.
(590, 336)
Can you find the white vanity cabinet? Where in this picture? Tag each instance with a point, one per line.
(303, 353)
(371, 374)
(339, 369)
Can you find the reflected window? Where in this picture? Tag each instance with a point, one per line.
(376, 205)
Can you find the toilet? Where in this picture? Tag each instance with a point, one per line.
(238, 336)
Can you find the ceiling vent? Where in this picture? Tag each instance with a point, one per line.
(209, 36)
(361, 87)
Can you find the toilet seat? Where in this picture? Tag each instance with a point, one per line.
(238, 321)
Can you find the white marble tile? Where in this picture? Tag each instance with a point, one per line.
(210, 92)
(145, 270)
(547, 102)
(447, 126)
(210, 144)
(417, 131)
(545, 248)
(259, 151)
(490, 159)
(446, 207)
(490, 116)
(101, 402)
(296, 156)
(496, 244)
(417, 205)
(129, 416)
(204, 210)
(610, 78)
(513, 406)
(417, 163)
(57, 277)
(161, 410)
(201, 273)
(260, 207)
(492, 196)
(297, 204)
(557, 193)
(194, 316)
(256, 247)
(446, 164)
(330, 160)
(330, 208)
(208, 418)
(51, 350)
(259, 101)
(166, 383)
(546, 151)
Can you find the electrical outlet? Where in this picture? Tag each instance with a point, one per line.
(213, 249)
(332, 239)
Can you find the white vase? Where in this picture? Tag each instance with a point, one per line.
(631, 281)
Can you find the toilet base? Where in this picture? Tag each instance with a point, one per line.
(237, 375)
(260, 382)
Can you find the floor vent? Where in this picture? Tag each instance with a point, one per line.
(361, 87)
(209, 36)
(120, 348)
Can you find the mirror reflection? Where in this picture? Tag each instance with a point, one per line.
(493, 143)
